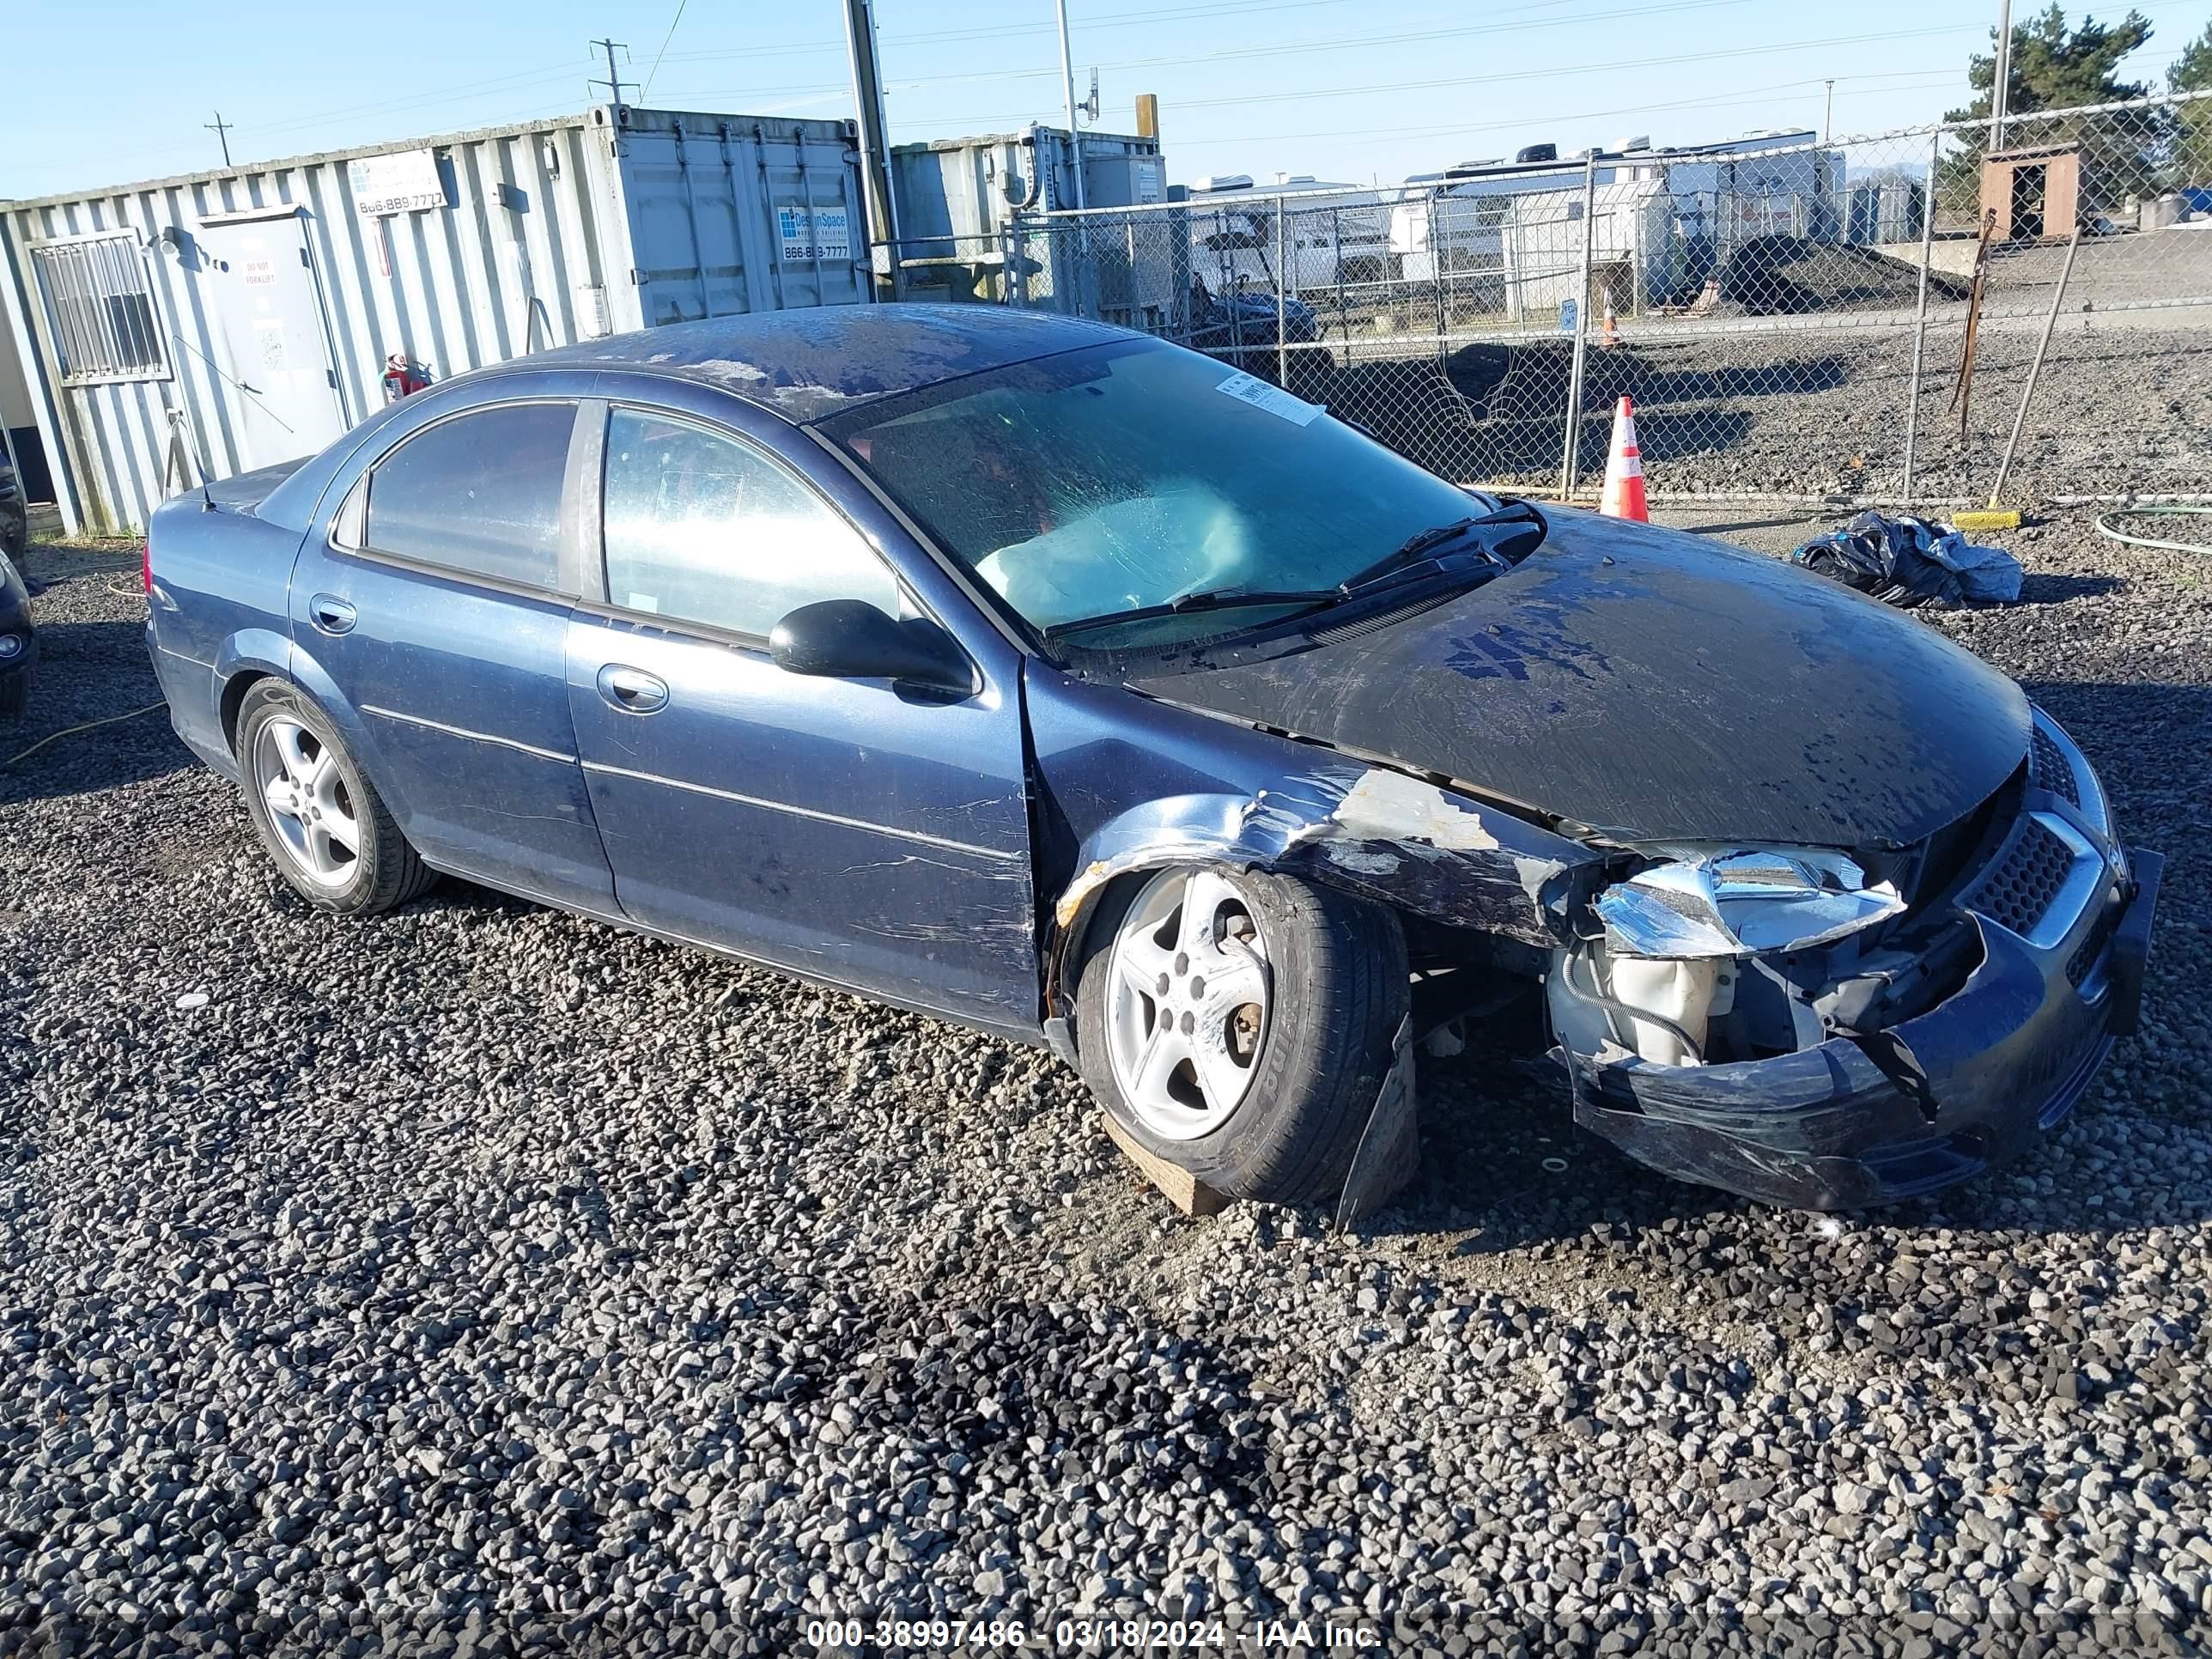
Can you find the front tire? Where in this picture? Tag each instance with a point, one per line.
(326, 828)
(1238, 1024)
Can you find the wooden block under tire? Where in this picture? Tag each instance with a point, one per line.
(1184, 1190)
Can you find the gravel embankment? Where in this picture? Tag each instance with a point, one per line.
(485, 1281)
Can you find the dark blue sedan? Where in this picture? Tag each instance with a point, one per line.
(1083, 689)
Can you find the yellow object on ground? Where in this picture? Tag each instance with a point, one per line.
(1985, 519)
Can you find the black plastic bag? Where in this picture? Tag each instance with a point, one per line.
(1907, 562)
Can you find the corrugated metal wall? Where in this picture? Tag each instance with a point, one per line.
(536, 249)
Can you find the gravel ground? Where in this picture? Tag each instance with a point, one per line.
(2122, 406)
(482, 1280)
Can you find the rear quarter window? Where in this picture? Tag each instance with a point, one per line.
(479, 493)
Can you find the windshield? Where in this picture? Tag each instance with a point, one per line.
(1126, 477)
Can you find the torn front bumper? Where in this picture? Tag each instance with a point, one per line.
(1961, 1088)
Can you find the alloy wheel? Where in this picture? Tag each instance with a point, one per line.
(309, 806)
(1188, 997)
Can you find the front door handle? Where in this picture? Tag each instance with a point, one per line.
(632, 690)
(330, 614)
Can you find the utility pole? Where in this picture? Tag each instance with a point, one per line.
(613, 82)
(1828, 121)
(2001, 76)
(1067, 79)
(221, 128)
(875, 152)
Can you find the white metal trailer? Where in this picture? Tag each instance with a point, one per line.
(245, 316)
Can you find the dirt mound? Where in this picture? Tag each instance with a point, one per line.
(1772, 276)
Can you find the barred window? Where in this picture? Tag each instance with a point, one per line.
(103, 316)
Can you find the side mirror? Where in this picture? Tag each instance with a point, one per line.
(851, 640)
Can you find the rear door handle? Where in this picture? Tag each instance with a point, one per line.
(330, 614)
(632, 690)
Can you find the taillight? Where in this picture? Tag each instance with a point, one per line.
(146, 565)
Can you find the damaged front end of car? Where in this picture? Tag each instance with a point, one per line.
(1826, 1030)
(1805, 1025)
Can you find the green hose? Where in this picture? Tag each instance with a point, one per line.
(2106, 527)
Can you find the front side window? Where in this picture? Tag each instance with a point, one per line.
(704, 529)
(479, 493)
(1125, 477)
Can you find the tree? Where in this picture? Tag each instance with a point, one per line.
(2193, 72)
(2055, 68)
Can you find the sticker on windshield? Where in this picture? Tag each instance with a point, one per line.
(1251, 389)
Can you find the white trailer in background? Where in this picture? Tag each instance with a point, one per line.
(1333, 234)
(1509, 235)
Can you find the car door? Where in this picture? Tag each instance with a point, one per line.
(434, 614)
(849, 829)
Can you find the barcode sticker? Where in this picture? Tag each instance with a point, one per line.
(1251, 389)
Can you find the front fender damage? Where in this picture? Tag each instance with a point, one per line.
(1382, 836)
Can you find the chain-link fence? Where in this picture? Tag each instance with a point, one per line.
(1794, 319)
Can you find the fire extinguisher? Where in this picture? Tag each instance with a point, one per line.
(402, 378)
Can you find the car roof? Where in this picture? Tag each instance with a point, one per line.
(808, 364)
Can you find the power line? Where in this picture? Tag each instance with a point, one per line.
(1577, 69)
(1109, 20)
(1567, 71)
(1336, 44)
(431, 99)
(646, 91)
(1722, 99)
(1726, 99)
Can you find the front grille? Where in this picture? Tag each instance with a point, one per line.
(2084, 959)
(2052, 771)
(2018, 892)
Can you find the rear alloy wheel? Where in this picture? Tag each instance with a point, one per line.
(1238, 1024)
(328, 832)
(309, 806)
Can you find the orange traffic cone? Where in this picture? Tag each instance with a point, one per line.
(1611, 337)
(1624, 470)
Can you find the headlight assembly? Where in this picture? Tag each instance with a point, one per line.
(1740, 903)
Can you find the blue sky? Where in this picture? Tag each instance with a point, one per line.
(1347, 89)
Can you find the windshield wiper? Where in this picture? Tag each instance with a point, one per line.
(1213, 598)
(1410, 553)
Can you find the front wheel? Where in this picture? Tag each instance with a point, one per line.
(330, 835)
(1238, 1024)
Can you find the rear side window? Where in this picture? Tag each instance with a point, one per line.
(702, 528)
(479, 493)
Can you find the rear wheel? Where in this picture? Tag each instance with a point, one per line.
(1239, 1025)
(323, 823)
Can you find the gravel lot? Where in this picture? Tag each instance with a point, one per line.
(485, 1281)
(1815, 406)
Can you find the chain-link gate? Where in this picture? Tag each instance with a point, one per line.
(1853, 319)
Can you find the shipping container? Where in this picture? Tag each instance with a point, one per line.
(958, 201)
(224, 320)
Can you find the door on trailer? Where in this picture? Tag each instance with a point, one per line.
(267, 303)
(723, 221)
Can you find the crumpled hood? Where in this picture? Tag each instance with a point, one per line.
(1656, 686)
